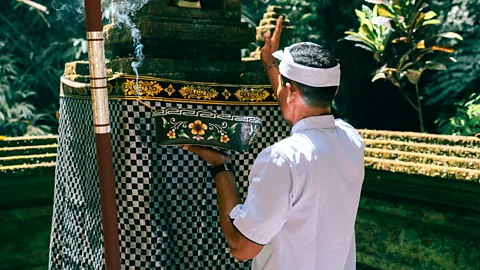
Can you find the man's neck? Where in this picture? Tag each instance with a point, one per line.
(309, 112)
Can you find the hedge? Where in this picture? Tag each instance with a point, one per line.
(455, 162)
(28, 150)
(26, 170)
(423, 169)
(27, 141)
(424, 148)
(27, 159)
(469, 142)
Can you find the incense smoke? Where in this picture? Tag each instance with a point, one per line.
(123, 10)
(68, 11)
(73, 11)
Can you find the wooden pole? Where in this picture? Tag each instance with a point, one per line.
(101, 123)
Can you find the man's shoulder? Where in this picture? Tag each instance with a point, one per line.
(340, 123)
(286, 148)
(350, 131)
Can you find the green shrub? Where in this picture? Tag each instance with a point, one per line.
(466, 121)
(397, 32)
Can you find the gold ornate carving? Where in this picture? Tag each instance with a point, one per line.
(145, 88)
(67, 89)
(82, 91)
(117, 87)
(252, 95)
(170, 90)
(226, 94)
(198, 92)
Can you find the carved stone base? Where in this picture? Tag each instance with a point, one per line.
(242, 72)
(171, 32)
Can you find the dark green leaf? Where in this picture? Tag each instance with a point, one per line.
(435, 66)
(354, 38)
(364, 47)
(446, 60)
(306, 17)
(413, 75)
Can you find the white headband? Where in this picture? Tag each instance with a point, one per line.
(315, 77)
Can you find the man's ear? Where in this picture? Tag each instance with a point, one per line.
(292, 92)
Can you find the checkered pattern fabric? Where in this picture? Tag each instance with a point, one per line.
(167, 208)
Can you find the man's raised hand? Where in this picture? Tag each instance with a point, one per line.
(271, 44)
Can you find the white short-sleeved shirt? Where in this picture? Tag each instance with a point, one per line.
(303, 198)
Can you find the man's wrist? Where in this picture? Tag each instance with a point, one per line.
(224, 167)
(267, 67)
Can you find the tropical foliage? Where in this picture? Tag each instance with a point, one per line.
(397, 32)
(38, 39)
(446, 91)
(466, 121)
(33, 52)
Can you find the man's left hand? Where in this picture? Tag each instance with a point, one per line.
(211, 156)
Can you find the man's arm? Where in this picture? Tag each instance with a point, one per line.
(228, 197)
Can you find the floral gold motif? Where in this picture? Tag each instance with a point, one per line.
(198, 129)
(67, 89)
(82, 91)
(224, 138)
(171, 134)
(198, 92)
(117, 87)
(252, 95)
(109, 88)
(145, 88)
(170, 90)
(226, 94)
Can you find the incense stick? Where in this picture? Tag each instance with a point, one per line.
(146, 105)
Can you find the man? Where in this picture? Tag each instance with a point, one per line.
(304, 190)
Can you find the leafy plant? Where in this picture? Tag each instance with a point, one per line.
(466, 120)
(33, 53)
(18, 116)
(397, 32)
(446, 90)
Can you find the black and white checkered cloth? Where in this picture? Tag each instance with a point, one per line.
(167, 208)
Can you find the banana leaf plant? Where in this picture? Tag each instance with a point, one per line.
(402, 27)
